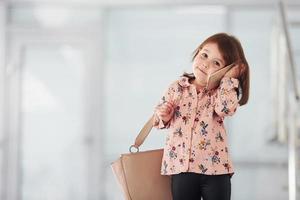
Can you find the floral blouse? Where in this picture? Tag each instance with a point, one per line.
(197, 139)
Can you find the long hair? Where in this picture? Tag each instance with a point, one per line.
(232, 51)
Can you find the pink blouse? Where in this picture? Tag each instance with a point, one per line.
(197, 139)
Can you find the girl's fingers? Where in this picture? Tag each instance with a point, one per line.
(165, 109)
(243, 69)
(164, 112)
(170, 104)
(234, 72)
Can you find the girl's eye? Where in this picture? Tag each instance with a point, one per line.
(217, 63)
(203, 55)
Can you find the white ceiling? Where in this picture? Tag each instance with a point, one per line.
(117, 3)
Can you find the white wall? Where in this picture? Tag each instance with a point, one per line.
(2, 87)
(138, 48)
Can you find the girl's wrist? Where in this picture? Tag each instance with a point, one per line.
(165, 122)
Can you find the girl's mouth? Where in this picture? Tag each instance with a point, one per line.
(202, 71)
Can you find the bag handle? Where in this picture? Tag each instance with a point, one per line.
(139, 140)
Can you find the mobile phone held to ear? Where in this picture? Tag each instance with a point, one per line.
(215, 78)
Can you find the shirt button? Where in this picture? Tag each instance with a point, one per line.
(196, 119)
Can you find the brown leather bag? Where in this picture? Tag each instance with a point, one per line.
(138, 173)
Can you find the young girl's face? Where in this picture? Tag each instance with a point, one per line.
(208, 60)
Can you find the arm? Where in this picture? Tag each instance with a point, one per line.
(226, 101)
(167, 96)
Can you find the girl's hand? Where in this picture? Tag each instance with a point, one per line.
(236, 71)
(165, 111)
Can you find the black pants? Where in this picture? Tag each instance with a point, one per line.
(193, 186)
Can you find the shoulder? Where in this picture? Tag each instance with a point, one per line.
(179, 84)
(182, 81)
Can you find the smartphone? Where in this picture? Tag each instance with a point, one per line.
(215, 78)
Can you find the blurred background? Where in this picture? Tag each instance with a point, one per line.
(80, 78)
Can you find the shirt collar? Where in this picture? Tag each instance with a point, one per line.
(184, 81)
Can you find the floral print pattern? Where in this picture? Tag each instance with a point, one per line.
(197, 139)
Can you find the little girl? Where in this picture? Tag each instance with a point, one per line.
(196, 153)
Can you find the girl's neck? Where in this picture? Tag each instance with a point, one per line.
(199, 86)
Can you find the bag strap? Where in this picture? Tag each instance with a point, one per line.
(140, 138)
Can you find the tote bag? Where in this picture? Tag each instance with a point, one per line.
(138, 173)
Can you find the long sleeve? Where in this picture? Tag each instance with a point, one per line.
(227, 102)
(167, 96)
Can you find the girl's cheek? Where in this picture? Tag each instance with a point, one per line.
(210, 71)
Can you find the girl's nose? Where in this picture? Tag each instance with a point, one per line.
(205, 64)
